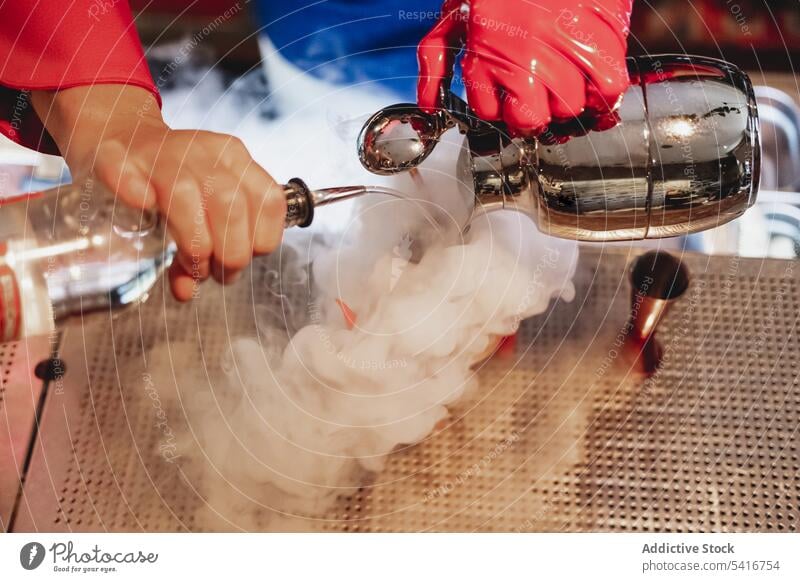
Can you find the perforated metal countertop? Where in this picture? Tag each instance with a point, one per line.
(20, 395)
(561, 436)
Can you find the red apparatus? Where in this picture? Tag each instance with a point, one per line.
(527, 63)
(48, 45)
(348, 314)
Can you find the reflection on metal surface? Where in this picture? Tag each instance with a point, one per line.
(561, 435)
(769, 229)
(658, 279)
(399, 138)
(684, 158)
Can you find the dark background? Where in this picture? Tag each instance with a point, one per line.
(755, 34)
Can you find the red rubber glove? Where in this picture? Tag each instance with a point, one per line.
(528, 62)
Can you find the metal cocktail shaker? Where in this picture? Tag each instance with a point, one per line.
(683, 157)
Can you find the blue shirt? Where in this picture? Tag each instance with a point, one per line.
(351, 41)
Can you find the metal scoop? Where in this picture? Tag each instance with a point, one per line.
(400, 137)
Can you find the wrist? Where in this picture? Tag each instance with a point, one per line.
(80, 117)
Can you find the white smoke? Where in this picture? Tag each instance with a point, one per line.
(292, 424)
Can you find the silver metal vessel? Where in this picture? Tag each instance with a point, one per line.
(683, 157)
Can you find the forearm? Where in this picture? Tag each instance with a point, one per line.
(56, 46)
(80, 117)
(114, 134)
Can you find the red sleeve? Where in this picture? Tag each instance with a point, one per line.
(49, 44)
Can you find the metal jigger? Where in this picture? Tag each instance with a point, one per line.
(683, 157)
(657, 280)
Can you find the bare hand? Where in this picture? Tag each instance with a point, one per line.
(221, 207)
